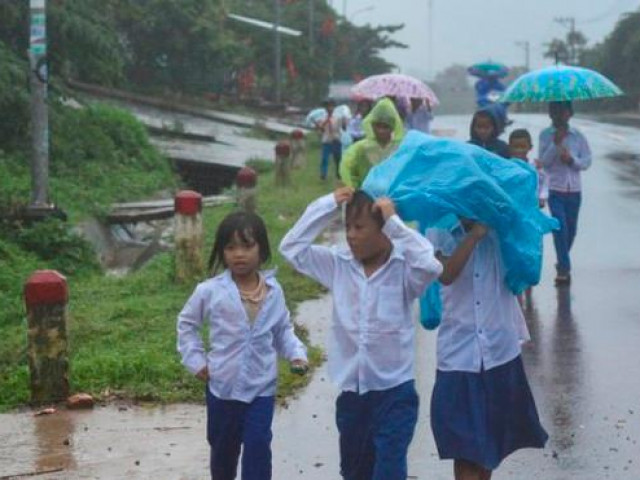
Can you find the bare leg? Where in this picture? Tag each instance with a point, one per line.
(465, 470)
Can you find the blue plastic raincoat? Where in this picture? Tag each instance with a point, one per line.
(434, 180)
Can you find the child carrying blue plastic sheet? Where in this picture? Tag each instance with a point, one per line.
(435, 181)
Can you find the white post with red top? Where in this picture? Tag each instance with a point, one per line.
(188, 236)
(46, 295)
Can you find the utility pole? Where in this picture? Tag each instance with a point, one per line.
(278, 53)
(311, 27)
(527, 52)
(571, 23)
(39, 112)
(430, 49)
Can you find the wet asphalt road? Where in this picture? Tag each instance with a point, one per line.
(583, 365)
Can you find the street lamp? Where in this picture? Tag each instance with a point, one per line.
(361, 10)
(526, 45)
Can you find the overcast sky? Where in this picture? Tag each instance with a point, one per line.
(467, 31)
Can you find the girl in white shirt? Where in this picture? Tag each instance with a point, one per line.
(482, 408)
(249, 325)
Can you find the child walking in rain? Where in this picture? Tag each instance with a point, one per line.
(371, 350)
(564, 153)
(420, 117)
(486, 127)
(249, 325)
(383, 133)
(331, 130)
(520, 144)
(482, 408)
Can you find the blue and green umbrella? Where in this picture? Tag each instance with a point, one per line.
(488, 69)
(560, 83)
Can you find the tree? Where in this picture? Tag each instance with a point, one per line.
(617, 57)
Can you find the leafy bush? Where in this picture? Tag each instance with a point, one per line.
(55, 244)
(14, 99)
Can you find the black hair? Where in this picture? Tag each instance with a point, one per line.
(249, 227)
(521, 133)
(566, 104)
(362, 202)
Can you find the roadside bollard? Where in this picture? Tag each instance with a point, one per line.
(189, 235)
(283, 163)
(246, 181)
(46, 295)
(298, 149)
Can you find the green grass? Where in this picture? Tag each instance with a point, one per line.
(122, 330)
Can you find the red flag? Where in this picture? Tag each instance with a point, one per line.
(291, 67)
(328, 27)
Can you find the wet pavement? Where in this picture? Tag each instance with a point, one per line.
(583, 365)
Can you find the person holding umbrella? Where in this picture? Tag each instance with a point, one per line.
(563, 150)
(564, 154)
(420, 116)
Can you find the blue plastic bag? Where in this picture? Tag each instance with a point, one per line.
(429, 179)
(431, 307)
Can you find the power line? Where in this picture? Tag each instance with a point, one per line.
(612, 10)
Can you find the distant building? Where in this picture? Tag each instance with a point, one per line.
(340, 91)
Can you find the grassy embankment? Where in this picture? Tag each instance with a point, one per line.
(122, 330)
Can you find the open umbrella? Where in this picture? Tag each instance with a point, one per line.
(560, 83)
(395, 85)
(319, 114)
(488, 69)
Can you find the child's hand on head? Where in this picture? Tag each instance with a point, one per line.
(203, 374)
(343, 194)
(386, 207)
(478, 230)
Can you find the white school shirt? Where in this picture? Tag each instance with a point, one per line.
(482, 324)
(371, 340)
(242, 357)
(331, 128)
(563, 177)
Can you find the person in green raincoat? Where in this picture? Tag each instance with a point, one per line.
(384, 131)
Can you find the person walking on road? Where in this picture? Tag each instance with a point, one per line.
(371, 351)
(420, 117)
(564, 154)
(330, 129)
(383, 133)
(486, 127)
(482, 408)
(249, 325)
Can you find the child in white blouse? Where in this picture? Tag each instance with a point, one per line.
(482, 408)
(249, 326)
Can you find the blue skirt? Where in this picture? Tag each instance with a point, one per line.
(483, 417)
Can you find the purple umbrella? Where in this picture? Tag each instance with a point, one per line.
(394, 85)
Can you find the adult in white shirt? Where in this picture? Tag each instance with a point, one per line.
(331, 131)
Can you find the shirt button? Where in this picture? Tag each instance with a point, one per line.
(477, 275)
(478, 303)
(480, 331)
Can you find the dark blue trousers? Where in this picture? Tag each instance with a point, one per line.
(232, 425)
(565, 207)
(331, 149)
(376, 429)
